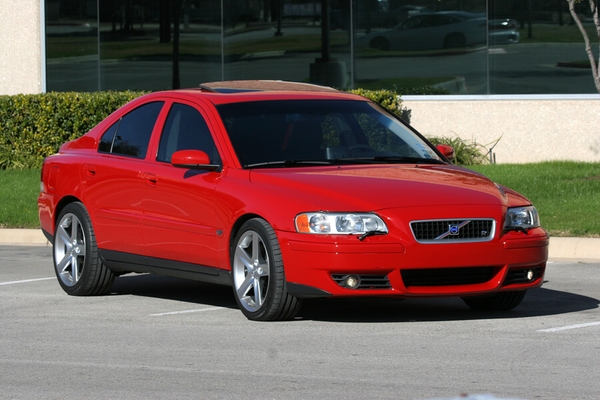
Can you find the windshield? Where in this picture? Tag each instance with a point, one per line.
(301, 132)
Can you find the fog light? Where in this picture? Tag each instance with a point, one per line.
(352, 281)
(530, 275)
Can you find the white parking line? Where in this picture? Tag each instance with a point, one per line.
(564, 328)
(25, 281)
(186, 311)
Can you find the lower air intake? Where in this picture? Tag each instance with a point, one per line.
(447, 276)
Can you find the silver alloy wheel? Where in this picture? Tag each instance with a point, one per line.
(69, 249)
(251, 270)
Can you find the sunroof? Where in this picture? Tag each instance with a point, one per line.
(234, 90)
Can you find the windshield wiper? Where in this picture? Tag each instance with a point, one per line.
(410, 160)
(287, 163)
(389, 160)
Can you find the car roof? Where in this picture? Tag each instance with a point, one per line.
(265, 85)
(459, 14)
(241, 91)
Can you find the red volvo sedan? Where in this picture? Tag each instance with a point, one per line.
(287, 193)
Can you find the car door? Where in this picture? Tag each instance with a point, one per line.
(113, 188)
(179, 204)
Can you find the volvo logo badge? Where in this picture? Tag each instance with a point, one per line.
(453, 230)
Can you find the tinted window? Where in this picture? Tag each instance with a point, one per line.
(186, 129)
(130, 135)
(276, 131)
(108, 137)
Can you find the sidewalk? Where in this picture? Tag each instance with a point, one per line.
(581, 249)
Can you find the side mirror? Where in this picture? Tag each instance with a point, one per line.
(193, 159)
(447, 151)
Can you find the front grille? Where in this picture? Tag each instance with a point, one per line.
(447, 276)
(367, 281)
(455, 230)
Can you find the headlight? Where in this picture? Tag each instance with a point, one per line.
(339, 223)
(521, 218)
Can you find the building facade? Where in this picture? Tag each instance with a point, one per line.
(512, 72)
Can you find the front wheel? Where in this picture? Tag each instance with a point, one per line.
(258, 274)
(76, 260)
(380, 43)
(502, 301)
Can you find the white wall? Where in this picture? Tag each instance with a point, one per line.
(20, 47)
(529, 130)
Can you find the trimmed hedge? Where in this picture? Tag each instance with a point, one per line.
(35, 126)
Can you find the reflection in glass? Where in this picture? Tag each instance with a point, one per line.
(71, 45)
(476, 47)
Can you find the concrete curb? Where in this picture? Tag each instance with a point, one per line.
(23, 237)
(582, 249)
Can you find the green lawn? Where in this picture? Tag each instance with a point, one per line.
(18, 195)
(567, 194)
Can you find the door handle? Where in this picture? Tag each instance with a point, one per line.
(90, 170)
(150, 178)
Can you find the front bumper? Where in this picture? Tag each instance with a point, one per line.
(318, 265)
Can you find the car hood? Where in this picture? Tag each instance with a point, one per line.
(378, 187)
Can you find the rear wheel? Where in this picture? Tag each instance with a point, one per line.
(380, 43)
(502, 301)
(258, 274)
(455, 40)
(76, 260)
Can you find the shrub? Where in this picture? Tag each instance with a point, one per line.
(33, 127)
(385, 98)
(466, 152)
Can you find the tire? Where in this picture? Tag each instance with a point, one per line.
(455, 40)
(503, 301)
(258, 275)
(76, 259)
(380, 43)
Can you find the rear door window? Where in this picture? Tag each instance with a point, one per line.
(130, 135)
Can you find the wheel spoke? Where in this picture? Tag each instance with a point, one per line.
(245, 286)
(63, 238)
(244, 258)
(255, 249)
(64, 263)
(258, 294)
(75, 272)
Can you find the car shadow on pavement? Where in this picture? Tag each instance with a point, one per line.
(537, 302)
(164, 287)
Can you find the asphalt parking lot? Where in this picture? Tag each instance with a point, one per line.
(155, 337)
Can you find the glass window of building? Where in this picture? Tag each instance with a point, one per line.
(460, 47)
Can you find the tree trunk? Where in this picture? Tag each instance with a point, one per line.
(164, 21)
(588, 45)
(176, 12)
